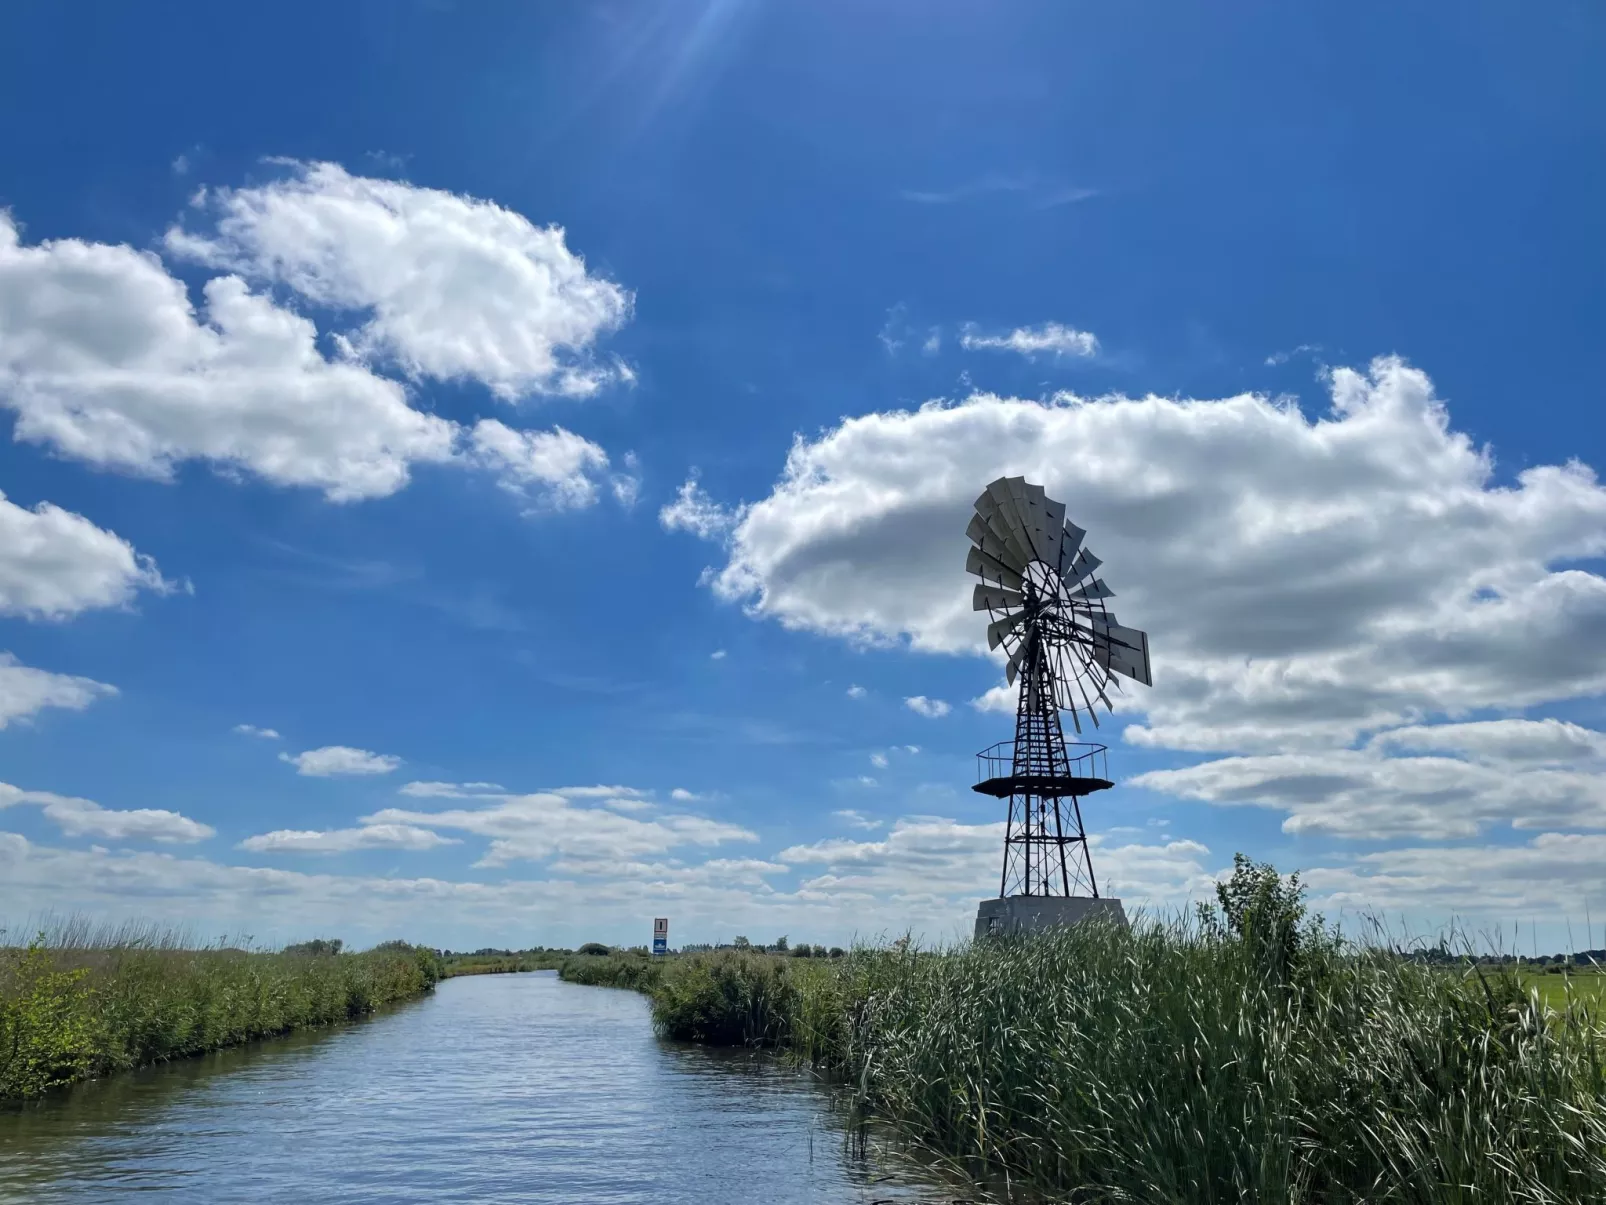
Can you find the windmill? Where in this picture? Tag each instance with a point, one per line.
(1047, 612)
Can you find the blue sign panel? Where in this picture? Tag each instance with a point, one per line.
(660, 945)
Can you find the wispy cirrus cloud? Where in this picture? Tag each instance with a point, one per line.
(345, 840)
(1031, 191)
(695, 512)
(1050, 338)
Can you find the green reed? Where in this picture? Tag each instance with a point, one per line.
(1175, 1063)
(76, 1004)
(1212, 1058)
(729, 998)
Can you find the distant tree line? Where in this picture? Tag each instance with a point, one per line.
(318, 945)
(1442, 955)
(781, 945)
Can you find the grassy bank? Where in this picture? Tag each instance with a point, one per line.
(71, 1010)
(453, 965)
(1242, 1054)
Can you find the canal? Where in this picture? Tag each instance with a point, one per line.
(516, 1088)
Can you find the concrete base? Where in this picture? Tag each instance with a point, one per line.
(1034, 913)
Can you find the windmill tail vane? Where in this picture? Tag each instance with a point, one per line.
(1047, 611)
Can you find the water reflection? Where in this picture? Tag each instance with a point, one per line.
(511, 1088)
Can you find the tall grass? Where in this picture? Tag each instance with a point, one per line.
(1177, 1064)
(1245, 1055)
(77, 1003)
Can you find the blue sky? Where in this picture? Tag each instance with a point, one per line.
(317, 427)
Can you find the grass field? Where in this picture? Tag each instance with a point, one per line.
(1585, 989)
(76, 1005)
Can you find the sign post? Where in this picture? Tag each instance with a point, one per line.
(660, 935)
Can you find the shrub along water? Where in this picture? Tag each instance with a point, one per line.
(1242, 1053)
(729, 998)
(637, 972)
(73, 1009)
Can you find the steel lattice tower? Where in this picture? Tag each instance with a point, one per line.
(1045, 845)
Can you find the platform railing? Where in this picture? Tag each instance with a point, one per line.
(1086, 761)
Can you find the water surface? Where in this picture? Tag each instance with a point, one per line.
(514, 1088)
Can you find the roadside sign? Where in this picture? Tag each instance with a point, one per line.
(660, 935)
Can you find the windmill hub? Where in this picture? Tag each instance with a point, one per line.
(1041, 584)
(1063, 648)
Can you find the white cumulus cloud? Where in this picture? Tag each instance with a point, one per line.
(340, 760)
(1509, 740)
(55, 564)
(555, 470)
(581, 825)
(449, 286)
(267, 734)
(934, 859)
(1548, 876)
(1360, 794)
(25, 690)
(1000, 698)
(104, 359)
(930, 708)
(1303, 580)
(85, 818)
